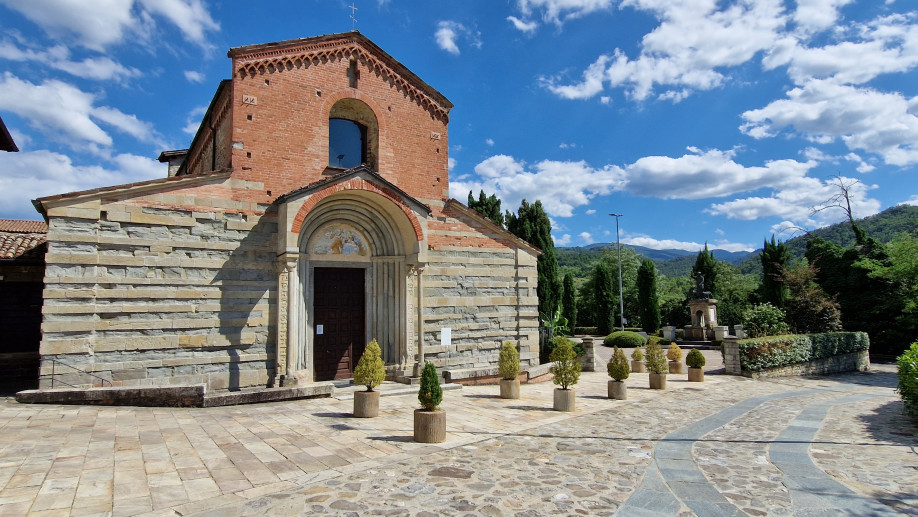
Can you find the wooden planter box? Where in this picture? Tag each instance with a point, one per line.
(565, 400)
(509, 388)
(658, 381)
(618, 390)
(429, 426)
(366, 404)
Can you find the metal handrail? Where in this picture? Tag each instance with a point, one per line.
(54, 373)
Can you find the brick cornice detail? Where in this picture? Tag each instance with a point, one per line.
(355, 184)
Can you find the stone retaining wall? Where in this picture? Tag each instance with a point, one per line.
(853, 362)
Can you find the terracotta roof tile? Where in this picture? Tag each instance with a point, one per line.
(21, 226)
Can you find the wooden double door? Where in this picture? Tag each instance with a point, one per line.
(339, 325)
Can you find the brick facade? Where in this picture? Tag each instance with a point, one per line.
(206, 277)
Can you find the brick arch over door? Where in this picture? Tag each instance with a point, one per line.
(390, 240)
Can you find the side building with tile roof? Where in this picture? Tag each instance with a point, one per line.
(309, 215)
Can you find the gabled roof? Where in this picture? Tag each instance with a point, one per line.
(285, 55)
(360, 170)
(6, 139)
(484, 221)
(22, 239)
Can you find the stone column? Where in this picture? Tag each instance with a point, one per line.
(720, 332)
(290, 308)
(739, 331)
(669, 333)
(588, 361)
(419, 364)
(732, 356)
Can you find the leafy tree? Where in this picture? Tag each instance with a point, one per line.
(488, 206)
(673, 293)
(631, 262)
(774, 264)
(586, 301)
(735, 293)
(647, 296)
(705, 263)
(809, 309)
(764, 319)
(569, 302)
(532, 225)
(603, 301)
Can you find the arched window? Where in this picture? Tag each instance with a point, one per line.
(353, 135)
(347, 143)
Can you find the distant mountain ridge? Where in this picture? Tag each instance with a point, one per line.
(670, 262)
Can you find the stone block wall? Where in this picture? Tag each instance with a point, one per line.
(148, 296)
(485, 296)
(853, 362)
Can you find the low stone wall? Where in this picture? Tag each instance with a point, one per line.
(853, 362)
(487, 376)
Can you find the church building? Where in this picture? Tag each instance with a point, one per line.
(309, 215)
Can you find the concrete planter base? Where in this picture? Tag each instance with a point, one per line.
(509, 388)
(429, 426)
(675, 367)
(618, 390)
(696, 374)
(565, 400)
(638, 367)
(658, 381)
(366, 404)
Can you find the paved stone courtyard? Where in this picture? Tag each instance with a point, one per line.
(730, 446)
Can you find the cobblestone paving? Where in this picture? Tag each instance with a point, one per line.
(501, 457)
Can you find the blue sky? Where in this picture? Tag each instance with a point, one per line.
(698, 120)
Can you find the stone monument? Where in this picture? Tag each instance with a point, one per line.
(703, 308)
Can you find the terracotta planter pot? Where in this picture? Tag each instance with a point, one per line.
(429, 426)
(366, 404)
(509, 388)
(618, 390)
(638, 366)
(675, 367)
(696, 374)
(658, 381)
(565, 400)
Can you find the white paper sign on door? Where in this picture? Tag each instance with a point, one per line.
(446, 336)
(320, 329)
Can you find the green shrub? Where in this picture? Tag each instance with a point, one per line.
(624, 339)
(430, 393)
(638, 354)
(764, 319)
(674, 353)
(550, 346)
(618, 366)
(567, 366)
(655, 359)
(908, 378)
(775, 351)
(370, 370)
(695, 359)
(508, 363)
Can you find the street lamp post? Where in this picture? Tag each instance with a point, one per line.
(621, 293)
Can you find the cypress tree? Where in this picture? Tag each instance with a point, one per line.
(604, 298)
(647, 296)
(488, 206)
(569, 303)
(533, 226)
(774, 266)
(706, 264)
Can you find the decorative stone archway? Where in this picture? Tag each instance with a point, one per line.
(340, 225)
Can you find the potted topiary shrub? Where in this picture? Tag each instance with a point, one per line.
(656, 365)
(695, 361)
(618, 370)
(637, 360)
(508, 365)
(674, 354)
(430, 420)
(370, 371)
(566, 371)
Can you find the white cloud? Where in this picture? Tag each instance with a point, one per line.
(586, 237)
(559, 11)
(58, 57)
(815, 15)
(193, 120)
(450, 32)
(685, 52)
(911, 201)
(704, 174)
(29, 175)
(862, 165)
(100, 24)
(130, 124)
(489, 142)
(606, 100)
(561, 186)
(523, 26)
(672, 244)
(864, 119)
(564, 240)
(451, 163)
(194, 77)
(590, 212)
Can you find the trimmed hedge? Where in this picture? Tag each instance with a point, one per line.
(586, 331)
(775, 351)
(908, 379)
(624, 339)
